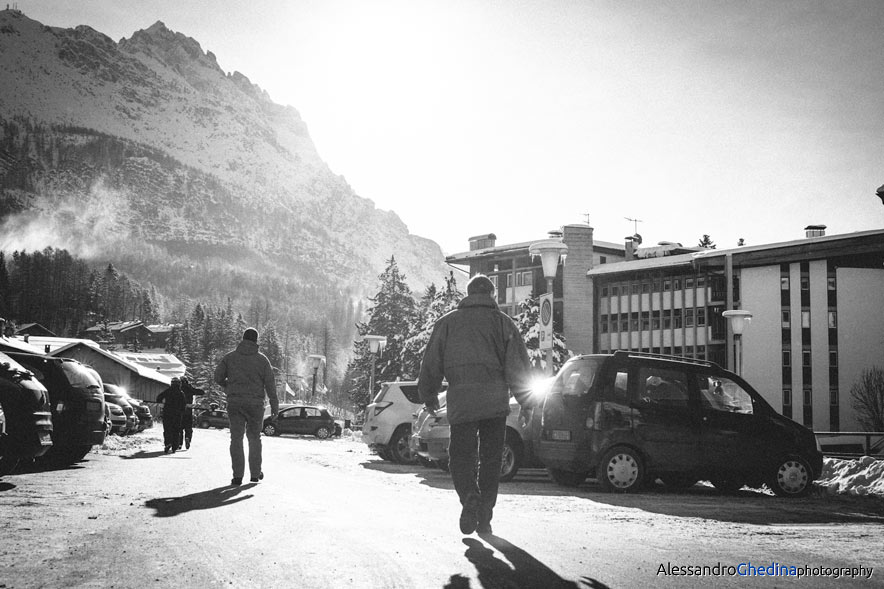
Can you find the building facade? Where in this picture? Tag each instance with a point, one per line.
(817, 306)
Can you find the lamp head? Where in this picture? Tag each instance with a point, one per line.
(739, 319)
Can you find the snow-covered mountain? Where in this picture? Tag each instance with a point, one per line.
(145, 149)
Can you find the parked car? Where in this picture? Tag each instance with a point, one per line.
(25, 415)
(518, 448)
(388, 421)
(420, 428)
(630, 418)
(212, 418)
(302, 419)
(119, 422)
(145, 417)
(77, 403)
(118, 396)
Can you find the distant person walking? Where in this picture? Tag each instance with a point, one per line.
(481, 353)
(172, 400)
(190, 392)
(247, 376)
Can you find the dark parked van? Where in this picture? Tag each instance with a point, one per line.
(26, 427)
(77, 404)
(629, 418)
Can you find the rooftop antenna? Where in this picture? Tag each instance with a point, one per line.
(587, 215)
(635, 223)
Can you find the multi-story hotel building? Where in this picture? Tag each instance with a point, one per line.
(817, 306)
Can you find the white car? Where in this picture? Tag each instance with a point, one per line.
(387, 427)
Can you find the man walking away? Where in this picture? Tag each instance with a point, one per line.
(246, 376)
(481, 353)
(173, 411)
(190, 392)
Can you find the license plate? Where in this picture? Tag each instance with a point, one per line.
(561, 435)
(45, 439)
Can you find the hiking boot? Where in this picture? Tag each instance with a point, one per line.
(260, 477)
(469, 515)
(236, 481)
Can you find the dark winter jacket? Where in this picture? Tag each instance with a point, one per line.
(480, 352)
(173, 401)
(246, 375)
(190, 392)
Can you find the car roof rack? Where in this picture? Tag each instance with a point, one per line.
(682, 359)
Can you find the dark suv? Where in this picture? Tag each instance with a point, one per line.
(26, 424)
(311, 420)
(77, 403)
(630, 418)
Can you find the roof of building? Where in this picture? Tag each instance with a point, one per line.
(515, 247)
(117, 326)
(856, 243)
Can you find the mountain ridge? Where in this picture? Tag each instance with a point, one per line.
(170, 150)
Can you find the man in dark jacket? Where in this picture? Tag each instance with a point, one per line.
(190, 392)
(247, 376)
(480, 352)
(172, 400)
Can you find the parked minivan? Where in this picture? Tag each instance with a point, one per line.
(25, 419)
(629, 418)
(387, 427)
(75, 395)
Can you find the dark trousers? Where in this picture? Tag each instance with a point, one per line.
(186, 427)
(483, 439)
(171, 430)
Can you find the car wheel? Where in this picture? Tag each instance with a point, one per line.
(399, 448)
(7, 465)
(679, 481)
(425, 462)
(566, 478)
(270, 430)
(205, 425)
(791, 478)
(385, 454)
(512, 458)
(322, 433)
(621, 470)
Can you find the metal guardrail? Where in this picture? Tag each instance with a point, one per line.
(851, 444)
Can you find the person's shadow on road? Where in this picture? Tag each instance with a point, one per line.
(143, 454)
(218, 497)
(522, 571)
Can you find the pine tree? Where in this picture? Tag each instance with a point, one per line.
(706, 242)
(437, 303)
(528, 322)
(392, 315)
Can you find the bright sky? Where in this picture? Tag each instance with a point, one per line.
(743, 119)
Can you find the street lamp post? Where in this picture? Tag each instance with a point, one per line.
(739, 319)
(316, 361)
(550, 251)
(376, 345)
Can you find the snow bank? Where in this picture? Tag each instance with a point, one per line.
(862, 476)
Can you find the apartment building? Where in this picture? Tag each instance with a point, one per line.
(817, 306)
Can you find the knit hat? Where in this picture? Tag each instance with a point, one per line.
(480, 284)
(251, 334)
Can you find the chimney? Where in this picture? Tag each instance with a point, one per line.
(815, 231)
(27, 337)
(479, 242)
(630, 249)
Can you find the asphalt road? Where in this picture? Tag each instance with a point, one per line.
(330, 514)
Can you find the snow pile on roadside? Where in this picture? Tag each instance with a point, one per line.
(114, 444)
(863, 477)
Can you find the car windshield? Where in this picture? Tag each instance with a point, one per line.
(577, 376)
(78, 375)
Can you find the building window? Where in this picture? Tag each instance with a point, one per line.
(805, 319)
(667, 285)
(689, 283)
(676, 284)
(624, 322)
(784, 282)
(634, 321)
(830, 283)
(805, 283)
(655, 320)
(604, 291)
(787, 358)
(493, 280)
(808, 397)
(701, 317)
(615, 291)
(676, 319)
(646, 321)
(833, 396)
(509, 280)
(689, 317)
(787, 319)
(646, 287)
(603, 259)
(667, 320)
(603, 321)
(701, 281)
(833, 319)
(805, 358)
(655, 286)
(787, 396)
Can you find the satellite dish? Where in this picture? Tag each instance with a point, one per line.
(637, 239)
